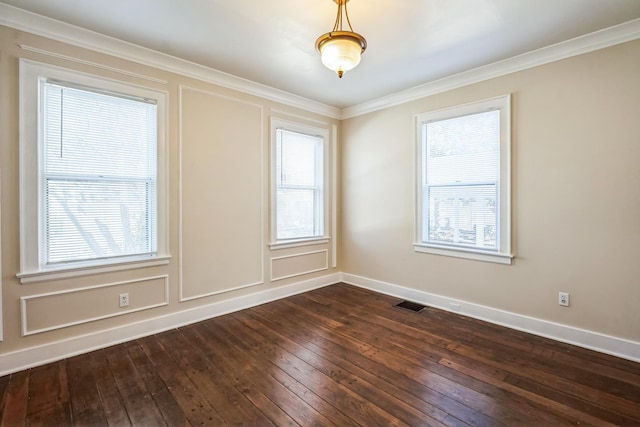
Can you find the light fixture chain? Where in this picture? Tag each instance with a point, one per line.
(346, 13)
(338, 24)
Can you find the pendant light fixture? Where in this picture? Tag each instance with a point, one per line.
(340, 50)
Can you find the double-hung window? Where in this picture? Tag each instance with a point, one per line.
(298, 176)
(463, 189)
(91, 177)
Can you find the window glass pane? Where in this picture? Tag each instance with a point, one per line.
(461, 215)
(298, 181)
(463, 149)
(461, 180)
(297, 159)
(295, 213)
(97, 219)
(100, 175)
(88, 133)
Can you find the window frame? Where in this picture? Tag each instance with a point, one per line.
(323, 211)
(32, 234)
(503, 253)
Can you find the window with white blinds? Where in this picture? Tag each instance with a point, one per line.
(92, 174)
(99, 183)
(299, 201)
(463, 179)
(299, 185)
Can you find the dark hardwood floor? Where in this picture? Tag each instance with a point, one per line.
(339, 355)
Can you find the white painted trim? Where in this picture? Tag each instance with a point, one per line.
(41, 276)
(277, 123)
(32, 268)
(281, 113)
(23, 20)
(334, 196)
(90, 63)
(498, 258)
(39, 355)
(286, 244)
(601, 39)
(326, 264)
(181, 89)
(24, 300)
(615, 346)
(223, 291)
(503, 254)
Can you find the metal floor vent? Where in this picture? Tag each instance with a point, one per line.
(409, 305)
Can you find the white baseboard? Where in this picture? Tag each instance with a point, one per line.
(568, 334)
(51, 352)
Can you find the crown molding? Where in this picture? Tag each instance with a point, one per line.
(601, 39)
(23, 20)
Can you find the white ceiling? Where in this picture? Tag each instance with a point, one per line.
(410, 42)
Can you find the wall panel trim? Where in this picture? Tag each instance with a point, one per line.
(181, 90)
(288, 276)
(24, 309)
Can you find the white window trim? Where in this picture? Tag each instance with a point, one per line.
(31, 269)
(504, 255)
(276, 124)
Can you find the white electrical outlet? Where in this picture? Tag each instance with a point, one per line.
(563, 299)
(124, 300)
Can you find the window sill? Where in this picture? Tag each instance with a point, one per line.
(294, 243)
(67, 272)
(500, 258)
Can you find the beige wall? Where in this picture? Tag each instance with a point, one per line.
(218, 145)
(576, 145)
(575, 197)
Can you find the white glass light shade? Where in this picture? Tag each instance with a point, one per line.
(340, 54)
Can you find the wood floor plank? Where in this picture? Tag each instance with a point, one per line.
(334, 356)
(340, 397)
(423, 360)
(14, 411)
(195, 408)
(256, 383)
(408, 363)
(137, 400)
(368, 387)
(499, 362)
(328, 342)
(512, 363)
(516, 365)
(331, 361)
(86, 402)
(111, 400)
(212, 383)
(234, 331)
(43, 388)
(171, 411)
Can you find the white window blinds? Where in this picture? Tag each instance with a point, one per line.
(299, 182)
(99, 175)
(461, 180)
